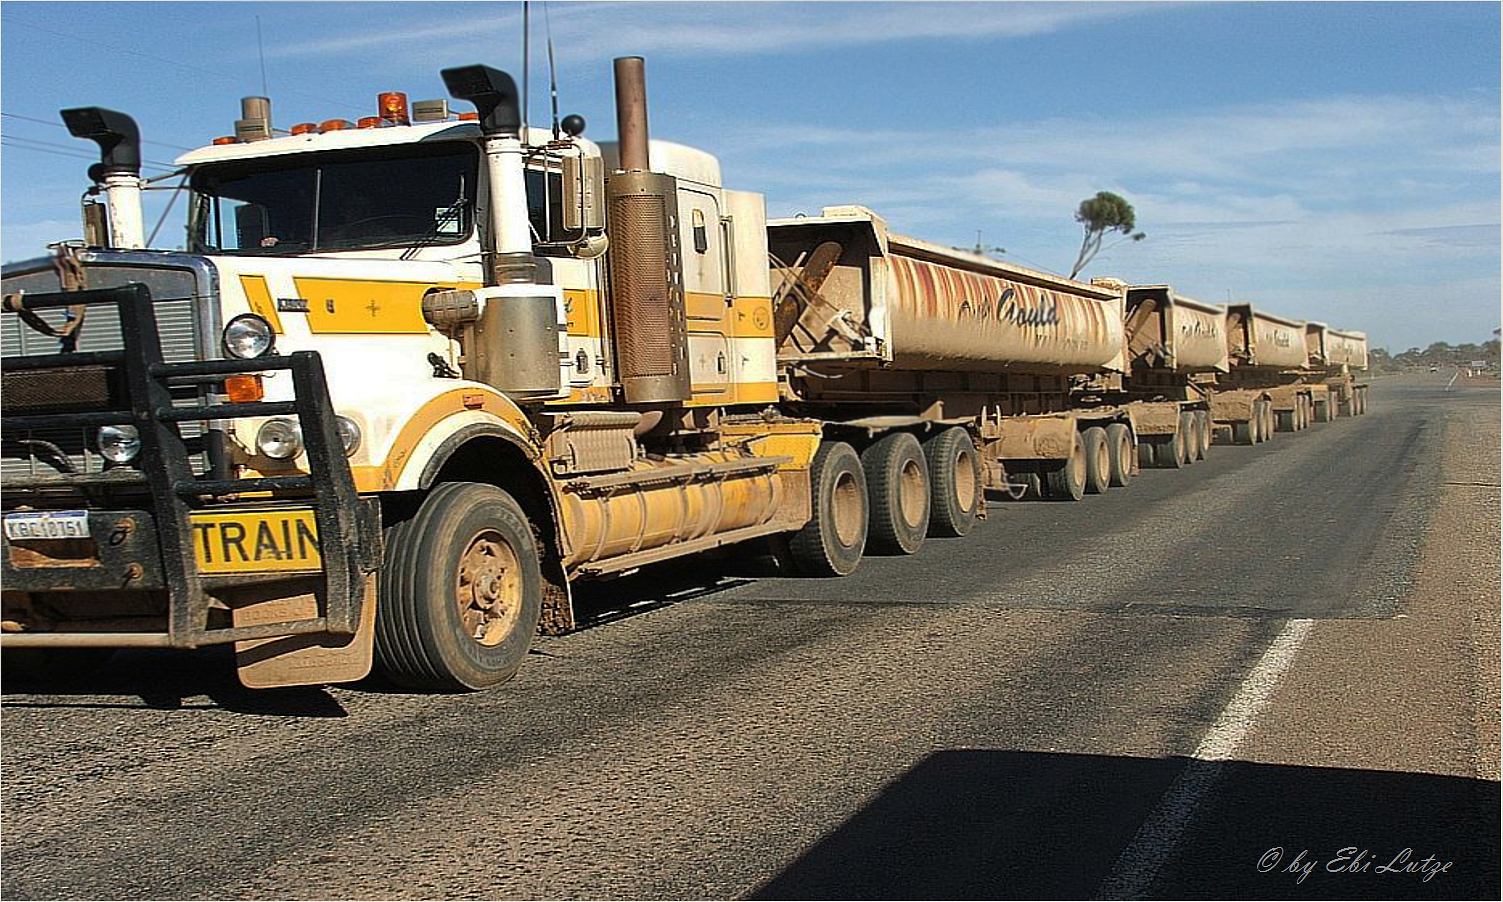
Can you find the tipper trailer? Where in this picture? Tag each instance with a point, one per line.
(411, 378)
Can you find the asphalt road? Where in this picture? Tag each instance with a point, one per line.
(1271, 675)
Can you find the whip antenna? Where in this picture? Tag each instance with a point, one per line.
(552, 72)
(261, 51)
(526, 68)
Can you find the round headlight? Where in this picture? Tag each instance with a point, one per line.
(119, 444)
(279, 439)
(248, 336)
(349, 434)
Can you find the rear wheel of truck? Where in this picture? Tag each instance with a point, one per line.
(461, 591)
(1119, 446)
(897, 479)
(1098, 460)
(1066, 480)
(1245, 433)
(1323, 411)
(954, 483)
(832, 542)
(1202, 434)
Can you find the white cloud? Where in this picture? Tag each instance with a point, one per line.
(719, 28)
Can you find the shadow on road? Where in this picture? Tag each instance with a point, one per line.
(991, 825)
(169, 680)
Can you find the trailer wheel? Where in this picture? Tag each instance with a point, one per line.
(1323, 411)
(1200, 433)
(1245, 433)
(461, 591)
(954, 483)
(1098, 460)
(1148, 453)
(1119, 447)
(832, 542)
(897, 479)
(1264, 409)
(1066, 480)
(1172, 451)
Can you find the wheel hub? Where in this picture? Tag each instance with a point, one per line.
(488, 588)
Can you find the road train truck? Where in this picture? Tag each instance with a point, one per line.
(412, 377)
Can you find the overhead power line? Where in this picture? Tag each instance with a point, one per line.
(69, 150)
(56, 124)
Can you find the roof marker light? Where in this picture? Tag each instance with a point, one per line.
(334, 125)
(393, 107)
(304, 128)
(369, 122)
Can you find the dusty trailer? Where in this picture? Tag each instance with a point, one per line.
(1335, 357)
(1176, 352)
(878, 330)
(1266, 390)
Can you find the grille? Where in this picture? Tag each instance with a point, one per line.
(185, 308)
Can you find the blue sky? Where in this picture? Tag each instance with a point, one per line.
(1328, 161)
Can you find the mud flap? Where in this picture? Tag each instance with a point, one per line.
(307, 659)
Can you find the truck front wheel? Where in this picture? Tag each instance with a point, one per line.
(832, 542)
(460, 592)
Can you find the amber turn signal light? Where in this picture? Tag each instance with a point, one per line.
(244, 389)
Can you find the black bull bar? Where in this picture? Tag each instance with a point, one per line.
(154, 550)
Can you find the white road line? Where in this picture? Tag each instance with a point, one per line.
(1137, 868)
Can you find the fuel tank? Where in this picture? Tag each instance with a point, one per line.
(1168, 331)
(851, 291)
(1257, 339)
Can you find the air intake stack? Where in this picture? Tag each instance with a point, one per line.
(646, 267)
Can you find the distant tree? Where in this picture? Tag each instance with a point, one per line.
(1099, 216)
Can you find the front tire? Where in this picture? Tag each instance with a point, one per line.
(461, 591)
(832, 542)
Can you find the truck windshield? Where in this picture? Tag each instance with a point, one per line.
(373, 198)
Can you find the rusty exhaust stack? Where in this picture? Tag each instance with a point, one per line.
(631, 113)
(646, 269)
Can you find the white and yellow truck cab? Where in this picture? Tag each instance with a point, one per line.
(410, 377)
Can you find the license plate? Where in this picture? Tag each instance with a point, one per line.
(259, 541)
(25, 525)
